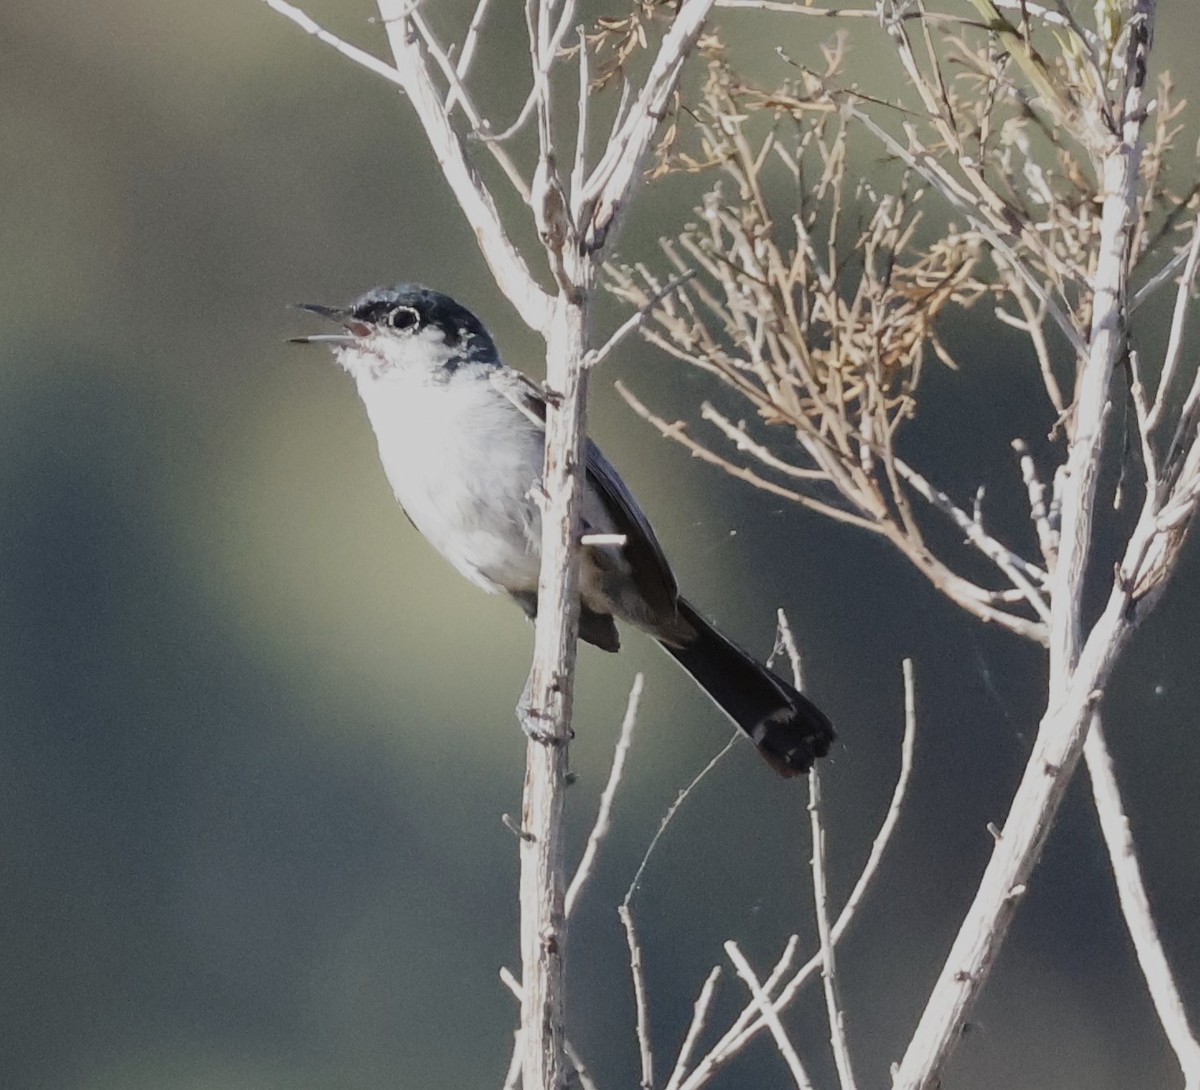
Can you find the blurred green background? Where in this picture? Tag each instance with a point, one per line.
(256, 737)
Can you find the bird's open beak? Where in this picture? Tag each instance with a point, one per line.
(334, 314)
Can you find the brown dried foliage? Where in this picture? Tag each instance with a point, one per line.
(819, 295)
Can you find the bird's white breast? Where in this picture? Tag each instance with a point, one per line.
(447, 445)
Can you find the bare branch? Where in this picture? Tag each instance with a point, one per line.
(1032, 326)
(676, 431)
(586, 1082)
(543, 58)
(1141, 415)
(1135, 906)
(1175, 342)
(604, 815)
(792, 7)
(467, 55)
(508, 267)
(695, 1027)
(750, 1022)
(513, 1078)
(767, 1009)
(583, 115)
(1078, 668)
(635, 320)
(601, 199)
(737, 434)
(1047, 534)
(1157, 280)
(458, 94)
(833, 1003)
(639, 995)
(1022, 574)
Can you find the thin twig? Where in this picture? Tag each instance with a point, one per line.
(513, 1076)
(604, 814)
(833, 1003)
(586, 1082)
(749, 1023)
(637, 319)
(792, 7)
(582, 114)
(695, 1027)
(1135, 907)
(543, 59)
(468, 48)
(457, 93)
(1175, 342)
(1155, 282)
(507, 265)
(1141, 415)
(737, 434)
(1022, 573)
(786, 1049)
(645, 1052)
(678, 433)
(1046, 534)
(603, 196)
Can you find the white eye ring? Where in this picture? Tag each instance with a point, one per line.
(404, 318)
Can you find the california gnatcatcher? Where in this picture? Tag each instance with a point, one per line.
(461, 437)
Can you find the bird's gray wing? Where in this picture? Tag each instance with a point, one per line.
(648, 565)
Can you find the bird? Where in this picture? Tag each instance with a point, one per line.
(461, 437)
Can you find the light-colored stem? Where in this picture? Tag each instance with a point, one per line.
(547, 708)
(609, 185)
(1135, 907)
(1041, 791)
(763, 1002)
(641, 1003)
(604, 815)
(833, 1003)
(507, 264)
(1078, 670)
(749, 1022)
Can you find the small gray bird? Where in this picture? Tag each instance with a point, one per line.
(461, 437)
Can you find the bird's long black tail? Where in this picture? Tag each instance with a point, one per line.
(788, 729)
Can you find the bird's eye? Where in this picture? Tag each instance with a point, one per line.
(403, 318)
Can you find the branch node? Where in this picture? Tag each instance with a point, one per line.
(507, 821)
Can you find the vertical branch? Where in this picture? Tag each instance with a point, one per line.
(833, 1002)
(641, 1004)
(1078, 671)
(547, 705)
(562, 319)
(1119, 173)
